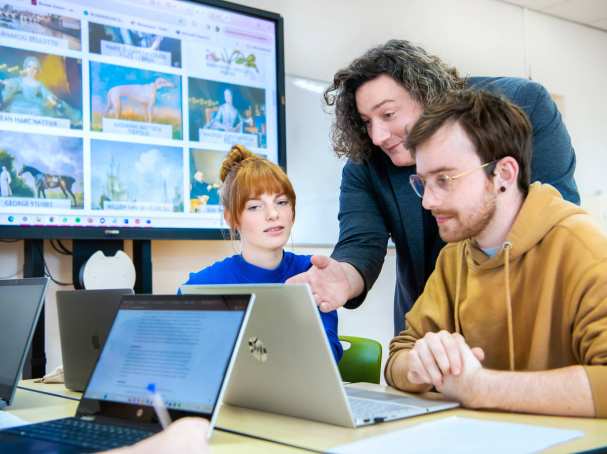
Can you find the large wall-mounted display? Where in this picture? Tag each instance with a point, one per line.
(115, 115)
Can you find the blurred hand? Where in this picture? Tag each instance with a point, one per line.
(184, 436)
(328, 280)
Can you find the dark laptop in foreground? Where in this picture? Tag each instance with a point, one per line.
(285, 365)
(85, 318)
(183, 345)
(21, 301)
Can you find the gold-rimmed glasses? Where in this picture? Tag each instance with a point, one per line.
(440, 184)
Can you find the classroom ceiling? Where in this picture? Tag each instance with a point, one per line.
(588, 12)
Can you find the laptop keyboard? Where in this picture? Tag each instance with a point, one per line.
(81, 433)
(371, 410)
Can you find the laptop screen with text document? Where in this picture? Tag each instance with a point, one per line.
(165, 357)
(183, 353)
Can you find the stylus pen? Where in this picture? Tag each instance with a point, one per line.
(159, 407)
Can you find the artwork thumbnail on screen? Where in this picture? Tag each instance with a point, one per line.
(142, 177)
(36, 84)
(46, 170)
(137, 96)
(133, 44)
(40, 27)
(221, 112)
(121, 113)
(204, 178)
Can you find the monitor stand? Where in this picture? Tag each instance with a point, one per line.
(142, 259)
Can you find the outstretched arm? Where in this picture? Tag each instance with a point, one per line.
(363, 235)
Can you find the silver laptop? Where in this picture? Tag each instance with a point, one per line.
(21, 301)
(285, 365)
(85, 318)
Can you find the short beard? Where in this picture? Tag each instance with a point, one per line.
(476, 223)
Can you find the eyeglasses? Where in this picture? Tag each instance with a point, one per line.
(440, 185)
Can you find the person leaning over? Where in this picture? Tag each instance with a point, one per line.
(514, 316)
(377, 99)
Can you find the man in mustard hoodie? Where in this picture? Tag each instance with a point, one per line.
(514, 316)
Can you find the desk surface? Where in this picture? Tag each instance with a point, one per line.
(37, 407)
(304, 433)
(57, 389)
(323, 437)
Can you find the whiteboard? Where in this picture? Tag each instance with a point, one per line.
(312, 166)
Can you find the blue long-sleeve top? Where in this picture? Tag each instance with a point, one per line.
(236, 270)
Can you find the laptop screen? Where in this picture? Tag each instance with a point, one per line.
(182, 345)
(20, 305)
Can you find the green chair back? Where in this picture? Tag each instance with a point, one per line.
(362, 361)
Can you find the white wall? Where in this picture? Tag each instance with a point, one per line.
(481, 37)
(571, 61)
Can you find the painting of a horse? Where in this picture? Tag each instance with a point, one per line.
(44, 181)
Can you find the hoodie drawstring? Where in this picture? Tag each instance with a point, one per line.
(507, 247)
(457, 289)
